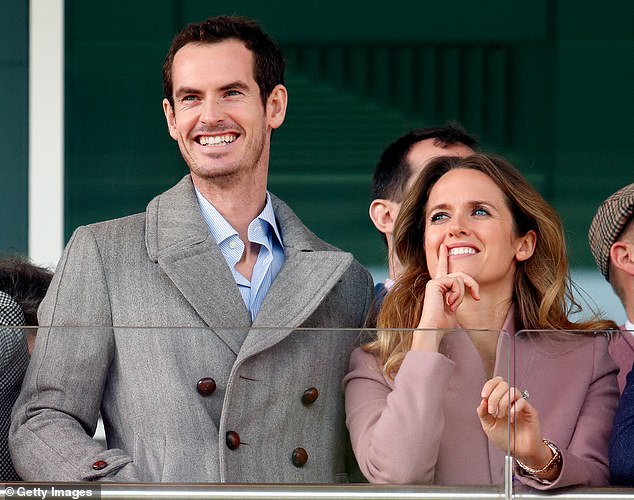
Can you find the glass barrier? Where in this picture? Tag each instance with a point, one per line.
(267, 413)
(566, 398)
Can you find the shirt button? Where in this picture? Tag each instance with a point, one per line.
(233, 440)
(100, 464)
(299, 457)
(232, 244)
(310, 396)
(206, 386)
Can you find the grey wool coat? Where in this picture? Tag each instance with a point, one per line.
(162, 268)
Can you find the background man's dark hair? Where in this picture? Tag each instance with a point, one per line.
(269, 64)
(26, 283)
(393, 170)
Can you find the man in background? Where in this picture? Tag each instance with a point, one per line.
(399, 166)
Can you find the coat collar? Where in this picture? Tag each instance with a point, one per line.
(178, 240)
(173, 220)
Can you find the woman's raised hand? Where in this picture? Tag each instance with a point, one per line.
(443, 296)
(512, 424)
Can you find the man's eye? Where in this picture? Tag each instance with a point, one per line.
(189, 98)
(233, 93)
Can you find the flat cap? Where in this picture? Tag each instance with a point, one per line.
(607, 225)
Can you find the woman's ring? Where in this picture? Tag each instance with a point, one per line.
(525, 394)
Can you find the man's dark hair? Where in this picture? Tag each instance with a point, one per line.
(26, 283)
(269, 64)
(393, 170)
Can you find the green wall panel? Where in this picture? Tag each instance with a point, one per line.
(594, 21)
(535, 84)
(595, 125)
(402, 21)
(14, 126)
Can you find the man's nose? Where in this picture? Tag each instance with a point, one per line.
(211, 111)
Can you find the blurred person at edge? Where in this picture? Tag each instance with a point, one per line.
(14, 358)
(27, 284)
(240, 396)
(611, 237)
(478, 244)
(22, 288)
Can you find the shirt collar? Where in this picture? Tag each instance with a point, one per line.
(268, 215)
(220, 229)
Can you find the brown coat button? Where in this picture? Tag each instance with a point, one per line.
(299, 457)
(206, 386)
(310, 396)
(233, 440)
(100, 464)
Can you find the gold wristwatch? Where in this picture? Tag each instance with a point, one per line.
(553, 462)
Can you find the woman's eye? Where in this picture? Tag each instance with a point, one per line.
(438, 217)
(480, 211)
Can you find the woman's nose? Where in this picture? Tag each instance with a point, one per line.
(458, 227)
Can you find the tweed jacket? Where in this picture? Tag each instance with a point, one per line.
(14, 358)
(422, 426)
(162, 268)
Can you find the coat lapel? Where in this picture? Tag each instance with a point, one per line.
(311, 269)
(178, 239)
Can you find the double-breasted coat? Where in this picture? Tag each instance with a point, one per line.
(154, 387)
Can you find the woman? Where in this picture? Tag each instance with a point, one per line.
(483, 253)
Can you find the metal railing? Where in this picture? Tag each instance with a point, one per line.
(295, 492)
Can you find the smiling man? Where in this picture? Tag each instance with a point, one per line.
(241, 395)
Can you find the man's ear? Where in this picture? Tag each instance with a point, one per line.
(383, 214)
(526, 246)
(168, 111)
(622, 256)
(276, 106)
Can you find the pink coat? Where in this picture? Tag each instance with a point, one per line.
(422, 427)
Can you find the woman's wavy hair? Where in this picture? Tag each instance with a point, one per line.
(542, 293)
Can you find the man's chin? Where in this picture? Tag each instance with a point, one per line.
(215, 172)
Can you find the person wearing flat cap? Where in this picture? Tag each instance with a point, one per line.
(611, 238)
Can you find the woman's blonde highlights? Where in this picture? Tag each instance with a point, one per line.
(542, 294)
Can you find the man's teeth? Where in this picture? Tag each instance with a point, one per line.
(462, 251)
(209, 140)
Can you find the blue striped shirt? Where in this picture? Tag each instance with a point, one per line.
(262, 230)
